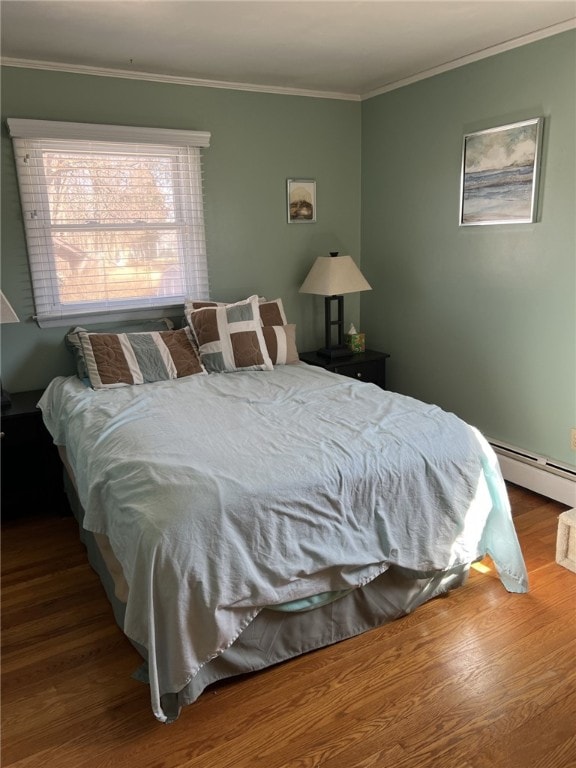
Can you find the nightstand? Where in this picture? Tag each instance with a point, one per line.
(366, 366)
(32, 482)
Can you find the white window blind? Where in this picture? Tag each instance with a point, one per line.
(114, 218)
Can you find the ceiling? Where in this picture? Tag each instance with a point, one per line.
(336, 48)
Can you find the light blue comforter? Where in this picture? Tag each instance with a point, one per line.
(226, 493)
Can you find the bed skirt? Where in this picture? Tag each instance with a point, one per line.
(275, 636)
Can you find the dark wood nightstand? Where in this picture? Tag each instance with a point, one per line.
(366, 366)
(31, 468)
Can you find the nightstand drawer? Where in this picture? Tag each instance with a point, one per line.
(369, 366)
(370, 372)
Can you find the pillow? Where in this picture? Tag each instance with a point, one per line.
(272, 312)
(230, 337)
(281, 344)
(189, 306)
(72, 339)
(121, 359)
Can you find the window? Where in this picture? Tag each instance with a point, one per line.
(114, 218)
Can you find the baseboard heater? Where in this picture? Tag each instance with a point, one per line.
(537, 473)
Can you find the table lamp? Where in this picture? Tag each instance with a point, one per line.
(331, 276)
(7, 315)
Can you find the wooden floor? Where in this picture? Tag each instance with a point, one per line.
(478, 679)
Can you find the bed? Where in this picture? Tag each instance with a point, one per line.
(238, 519)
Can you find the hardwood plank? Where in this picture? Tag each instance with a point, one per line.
(476, 679)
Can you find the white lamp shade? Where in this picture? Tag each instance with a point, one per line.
(334, 275)
(7, 314)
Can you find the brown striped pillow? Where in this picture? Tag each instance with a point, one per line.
(280, 336)
(230, 337)
(72, 340)
(281, 343)
(122, 359)
(190, 306)
(272, 312)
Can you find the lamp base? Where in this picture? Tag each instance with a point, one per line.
(333, 353)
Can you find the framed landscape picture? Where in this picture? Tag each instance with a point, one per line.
(301, 199)
(500, 168)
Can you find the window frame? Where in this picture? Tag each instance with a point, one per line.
(38, 136)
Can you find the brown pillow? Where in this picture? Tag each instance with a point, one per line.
(73, 343)
(122, 359)
(189, 306)
(272, 312)
(281, 343)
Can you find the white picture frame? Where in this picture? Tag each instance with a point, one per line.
(301, 201)
(500, 174)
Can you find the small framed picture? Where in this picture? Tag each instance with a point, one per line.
(301, 200)
(500, 168)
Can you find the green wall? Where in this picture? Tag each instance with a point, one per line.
(481, 320)
(258, 141)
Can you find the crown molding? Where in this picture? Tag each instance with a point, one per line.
(79, 69)
(485, 53)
